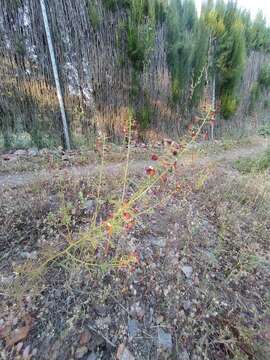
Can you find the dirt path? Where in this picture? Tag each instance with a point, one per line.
(28, 178)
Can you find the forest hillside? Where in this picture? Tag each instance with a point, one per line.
(155, 59)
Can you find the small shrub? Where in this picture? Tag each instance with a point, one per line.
(263, 83)
(259, 164)
(144, 115)
(245, 166)
(20, 47)
(21, 141)
(160, 12)
(176, 90)
(2, 141)
(140, 29)
(264, 77)
(254, 95)
(135, 47)
(266, 104)
(112, 5)
(264, 130)
(135, 85)
(93, 15)
(7, 140)
(228, 105)
(41, 139)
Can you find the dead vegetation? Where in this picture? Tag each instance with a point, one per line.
(194, 282)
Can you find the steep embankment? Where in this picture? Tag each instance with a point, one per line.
(113, 60)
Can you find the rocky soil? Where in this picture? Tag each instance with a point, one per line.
(199, 288)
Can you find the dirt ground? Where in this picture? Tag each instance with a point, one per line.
(199, 288)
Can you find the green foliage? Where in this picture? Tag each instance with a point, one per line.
(14, 5)
(182, 26)
(15, 141)
(136, 48)
(264, 130)
(231, 54)
(231, 58)
(21, 141)
(200, 58)
(214, 22)
(228, 105)
(140, 32)
(228, 28)
(263, 83)
(41, 139)
(160, 11)
(249, 165)
(266, 104)
(260, 34)
(20, 47)
(213, 45)
(176, 90)
(143, 115)
(254, 95)
(264, 77)
(93, 14)
(113, 5)
(135, 85)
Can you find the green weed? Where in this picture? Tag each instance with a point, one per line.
(255, 165)
(264, 130)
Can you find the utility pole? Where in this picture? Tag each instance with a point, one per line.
(55, 73)
(213, 45)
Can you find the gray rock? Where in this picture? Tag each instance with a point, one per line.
(43, 152)
(34, 352)
(89, 206)
(137, 310)
(101, 310)
(19, 346)
(9, 157)
(133, 327)
(29, 255)
(33, 152)
(187, 305)
(55, 349)
(123, 353)
(26, 352)
(187, 270)
(160, 242)
(164, 339)
(65, 157)
(103, 322)
(20, 153)
(6, 280)
(92, 356)
(80, 352)
(184, 355)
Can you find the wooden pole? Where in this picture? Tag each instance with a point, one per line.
(55, 73)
